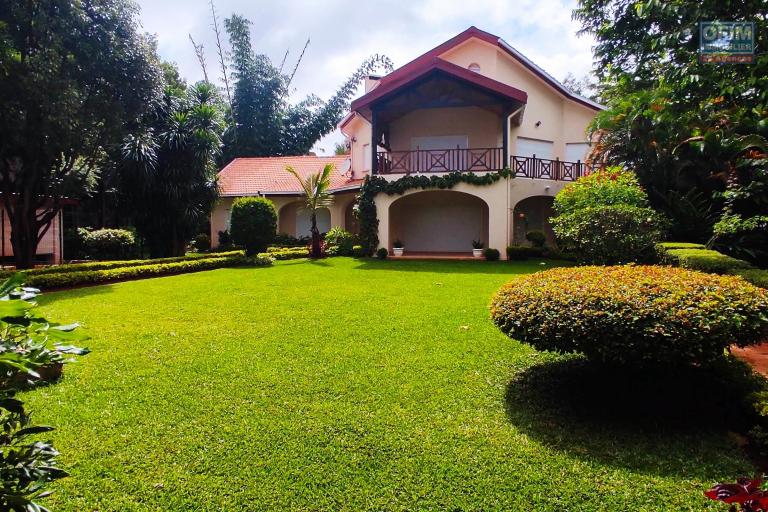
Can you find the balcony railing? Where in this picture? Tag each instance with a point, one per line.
(478, 160)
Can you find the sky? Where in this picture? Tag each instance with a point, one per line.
(343, 33)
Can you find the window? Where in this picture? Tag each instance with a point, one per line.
(440, 142)
(576, 151)
(529, 147)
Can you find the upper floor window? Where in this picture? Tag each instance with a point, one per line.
(474, 67)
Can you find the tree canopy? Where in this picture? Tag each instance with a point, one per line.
(73, 77)
(695, 133)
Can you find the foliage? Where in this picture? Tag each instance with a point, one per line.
(201, 242)
(477, 244)
(491, 254)
(373, 185)
(705, 260)
(342, 240)
(316, 188)
(106, 244)
(168, 176)
(684, 126)
(106, 265)
(148, 269)
(286, 240)
(357, 251)
(746, 493)
(523, 252)
(537, 238)
(758, 277)
(253, 223)
(225, 240)
(266, 123)
(29, 345)
(285, 253)
(606, 187)
(633, 315)
(73, 77)
(398, 244)
(606, 235)
(382, 253)
(666, 246)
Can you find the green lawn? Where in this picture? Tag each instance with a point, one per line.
(349, 385)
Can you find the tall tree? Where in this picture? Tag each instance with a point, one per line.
(690, 130)
(73, 77)
(317, 195)
(266, 123)
(168, 177)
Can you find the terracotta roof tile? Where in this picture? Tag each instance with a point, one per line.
(250, 176)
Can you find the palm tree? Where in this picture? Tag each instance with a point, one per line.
(316, 195)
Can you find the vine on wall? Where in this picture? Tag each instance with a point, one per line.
(365, 209)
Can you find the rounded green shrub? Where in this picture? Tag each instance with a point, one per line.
(254, 223)
(606, 187)
(537, 238)
(201, 243)
(606, 235)
(382, 253)
(491, 254)
(633, 315)
(523, 252)
(107, 244)
(357, 251)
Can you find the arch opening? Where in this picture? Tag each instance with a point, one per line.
(532, 214)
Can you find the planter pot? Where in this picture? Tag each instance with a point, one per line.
(477, 253)
(398, 251)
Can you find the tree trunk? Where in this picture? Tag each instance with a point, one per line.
(24, 231)
(316, 252)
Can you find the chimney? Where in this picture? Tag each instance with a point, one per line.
(371, 81)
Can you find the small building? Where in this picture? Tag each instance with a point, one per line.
(472, 104)
(49, 249)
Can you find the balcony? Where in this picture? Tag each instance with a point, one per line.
(477, 160)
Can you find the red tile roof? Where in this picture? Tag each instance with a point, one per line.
(251, 176)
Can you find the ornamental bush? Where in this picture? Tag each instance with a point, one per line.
(633, 315)
(342, 240)
(523, 252)
(107, 244)
(254, 223)
(382, 253)
(491, 254)
(606, 187)
(606, 235)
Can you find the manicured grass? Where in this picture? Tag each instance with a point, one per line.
(348, 385)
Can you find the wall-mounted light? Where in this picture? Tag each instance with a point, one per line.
(538, 123)
(353, 140)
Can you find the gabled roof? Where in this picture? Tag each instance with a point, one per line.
(429, 60)
(437, 65)
(267, 175)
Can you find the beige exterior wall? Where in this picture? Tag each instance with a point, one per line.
(482, 127)
(287, 208)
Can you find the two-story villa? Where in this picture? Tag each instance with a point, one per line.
(472, 104)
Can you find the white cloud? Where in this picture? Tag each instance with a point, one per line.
(343, 33)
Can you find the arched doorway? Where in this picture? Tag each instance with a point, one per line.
(350, 221)
(438, 221)
(294, 220)
(532, 214)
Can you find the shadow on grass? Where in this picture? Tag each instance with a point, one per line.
(660, 423)
(459, 266)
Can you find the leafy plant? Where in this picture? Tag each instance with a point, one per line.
(537, 238)
(382, 253)
(398, 244)
(341, 239)
(705, 260)
(225, 241)
(357, 251)
(107, 244)
(633, 315)
(523, 252)
(316, 190)
(477, 244)
(605, 187)
(491, 254)
(201, 242)
(253, 223)
(746, 493)
(29, 344)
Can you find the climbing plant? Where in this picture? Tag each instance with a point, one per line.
(373, 185)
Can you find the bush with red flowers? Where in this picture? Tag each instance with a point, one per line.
(745, 493)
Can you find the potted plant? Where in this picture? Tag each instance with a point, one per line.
(477, 248)
(397, 247)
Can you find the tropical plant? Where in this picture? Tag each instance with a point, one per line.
(316, 190)
(746, 493)
(73, 76)
(685, 127)
(30, 346)
(477, 244)
(253, 223)
(169, 168)
(265, 123)
(341, 239)
(398, 244)
(633, 315)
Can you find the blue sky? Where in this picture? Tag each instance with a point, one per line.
(344, 33)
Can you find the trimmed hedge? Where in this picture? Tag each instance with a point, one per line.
(756, 276)
(666, 246)
(72, 278)
(285, 253)
(523, 252)
(702, 259)
(106, 265)
(491, 254)
(633, 315)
